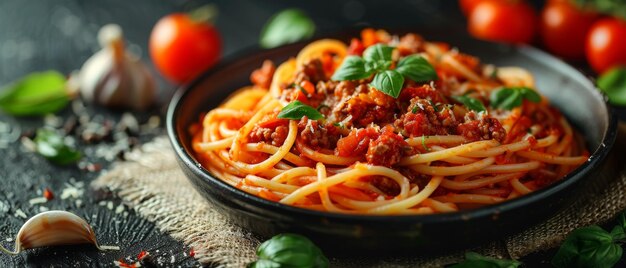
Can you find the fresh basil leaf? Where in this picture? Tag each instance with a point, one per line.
(50, 145)
(378, 52)
(588, 247)
(613, 84)
(352, 68)
(471, 103)
(287, 26)
(296, 110)
(389, 82)
(475, 260)
(416, 68)
(289, 250)
(35, 94)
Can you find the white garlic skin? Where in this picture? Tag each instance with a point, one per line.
(54, 228)
(113, 77)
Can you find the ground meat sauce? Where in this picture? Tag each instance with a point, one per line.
(312, 71)
(363, 122)
(262, 77)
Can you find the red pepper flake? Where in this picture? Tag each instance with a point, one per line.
(123, 264)
(142, 254)
(47, 193)
(94, 167)
(192, 253)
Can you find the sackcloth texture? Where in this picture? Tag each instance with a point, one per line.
(151, 182)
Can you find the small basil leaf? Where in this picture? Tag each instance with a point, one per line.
(511, 97)
(377, 66)
(378, 52)
(265, 264)
(530, 94)
(621, 220)
(475, 260)
(352, 68)
(506, 98)
(50, 145)
(289, 250)
(389, 82)
(287, 26)
(471, 103)
(424, 144)
(588, 247)
(619, 231)
(296, 110)
(35, 94)
(613, 84)
(417, 69)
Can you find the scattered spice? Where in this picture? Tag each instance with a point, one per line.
(47, 193)
(73, 189)
(147, 261)
(20, 213)
(142, 255)
(37, 200)
(122, 264)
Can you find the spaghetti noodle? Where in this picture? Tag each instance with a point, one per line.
(423, 151)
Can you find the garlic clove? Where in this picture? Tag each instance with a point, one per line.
(114, 77)
(54, 228)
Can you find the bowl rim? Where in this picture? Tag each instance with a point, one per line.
(595, 159)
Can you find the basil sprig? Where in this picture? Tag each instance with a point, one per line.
(289, 250)
(470, 103)
(287, 26)
(613, 84)
(377, 60)
(511, 97)
(592, 246)
(51, 145)
(473, 260)
(296, 110)
(35, 94)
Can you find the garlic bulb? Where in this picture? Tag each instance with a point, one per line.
(115, 78)
(53, 228)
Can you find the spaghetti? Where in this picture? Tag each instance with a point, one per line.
(368, 152)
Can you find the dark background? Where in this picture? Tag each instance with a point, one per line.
(61, 35)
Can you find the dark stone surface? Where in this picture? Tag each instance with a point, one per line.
(61, 35)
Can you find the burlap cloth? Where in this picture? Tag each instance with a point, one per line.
(151, 183)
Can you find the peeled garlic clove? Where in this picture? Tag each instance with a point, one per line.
(54, 228)
(114, 77)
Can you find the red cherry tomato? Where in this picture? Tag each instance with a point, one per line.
(182, 48)
(505, 21)
(468, 5)
(564, 29)
(606, 44)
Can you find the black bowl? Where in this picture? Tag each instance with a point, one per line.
(567, 89)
